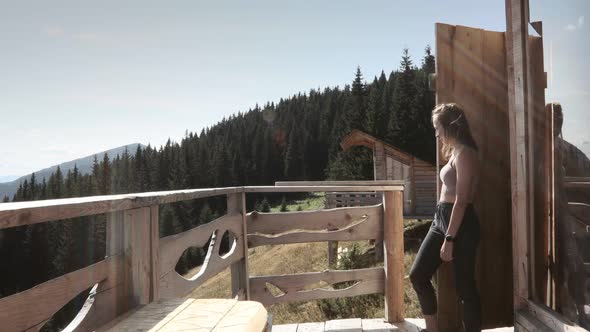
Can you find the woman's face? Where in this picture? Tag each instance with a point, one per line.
(439, 131)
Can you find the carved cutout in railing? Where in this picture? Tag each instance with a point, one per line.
(83, 314)
(171, 248)
(232, 241)
(294, 287)
(30, 309)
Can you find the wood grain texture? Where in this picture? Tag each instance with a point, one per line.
(26, 213)
(367, 228)
(393, 230)
(552, 319)
(196, 315)
(173, 285)
(372, 280)
(154, 252)
(329, 219)
(137, 244)
(172, 247)
(236, 204)
(471, 71)
(298, 189)
(516, 55)
(30, 309)
(378, 182)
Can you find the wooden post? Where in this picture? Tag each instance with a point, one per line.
(516, 55)
(332, 254)
(138, 260)
(115, 246)
(240, 283)
(393, 244)
(155, 252)
(380, 168)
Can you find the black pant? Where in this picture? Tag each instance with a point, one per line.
(464, 252)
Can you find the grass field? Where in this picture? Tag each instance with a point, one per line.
(309, 257)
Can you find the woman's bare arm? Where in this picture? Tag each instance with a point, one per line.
(465, 163)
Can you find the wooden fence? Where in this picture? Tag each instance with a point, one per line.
(139, 266)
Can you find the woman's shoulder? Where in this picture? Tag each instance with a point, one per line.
(467, 155)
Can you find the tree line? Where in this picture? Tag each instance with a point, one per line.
(296, 138)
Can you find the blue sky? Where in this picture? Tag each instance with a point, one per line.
(80, 77)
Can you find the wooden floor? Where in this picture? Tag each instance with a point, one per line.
(360, 325)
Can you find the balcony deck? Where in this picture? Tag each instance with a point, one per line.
(362, 325)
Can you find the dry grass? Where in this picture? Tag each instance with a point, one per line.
(298, 258)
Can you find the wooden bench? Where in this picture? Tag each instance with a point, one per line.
(194, 315)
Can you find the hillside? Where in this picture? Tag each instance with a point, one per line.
(84, 167)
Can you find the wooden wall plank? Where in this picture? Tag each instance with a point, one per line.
(542, 136)
(516, 55)
(494, 210)
(471, 71)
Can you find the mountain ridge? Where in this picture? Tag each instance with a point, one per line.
(84, 165)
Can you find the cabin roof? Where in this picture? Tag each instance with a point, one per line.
(360, 138)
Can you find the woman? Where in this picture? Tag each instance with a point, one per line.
(454, 234)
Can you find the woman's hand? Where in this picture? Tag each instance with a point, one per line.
(446, 251)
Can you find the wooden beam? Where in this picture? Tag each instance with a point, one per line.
(365, 229)
(236, 204)
(380, 182)
(553, 320)
(329, 219)
(27, 213)
(516, 55)
(371, 280)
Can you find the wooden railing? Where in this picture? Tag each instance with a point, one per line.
(139, 267)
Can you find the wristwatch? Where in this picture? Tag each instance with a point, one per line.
(449, 238)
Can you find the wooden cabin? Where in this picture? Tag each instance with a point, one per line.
(391, 163)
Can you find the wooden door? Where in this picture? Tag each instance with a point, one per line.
(471, 71)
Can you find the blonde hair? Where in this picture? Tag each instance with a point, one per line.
(454, 122)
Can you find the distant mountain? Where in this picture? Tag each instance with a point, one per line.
(84, 167)
(8, 178)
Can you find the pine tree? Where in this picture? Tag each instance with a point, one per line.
(284, 207)
(358, 109)
(33, 190)
(105, 176)
(403, 108)
(265, 206)
(295, 156)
